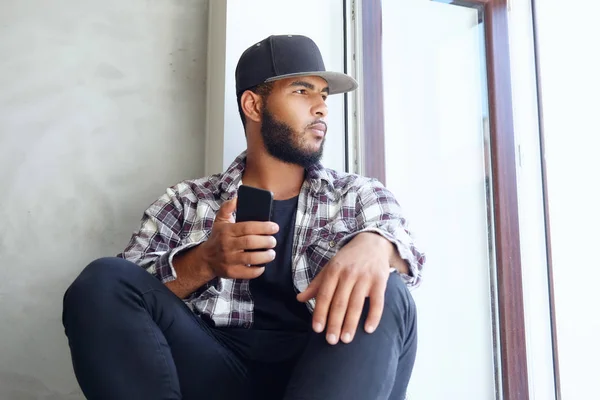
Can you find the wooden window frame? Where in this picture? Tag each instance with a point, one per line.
(504, 175)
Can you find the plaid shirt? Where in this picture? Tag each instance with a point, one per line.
(333, 207)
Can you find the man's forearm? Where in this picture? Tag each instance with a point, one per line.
(192, 272)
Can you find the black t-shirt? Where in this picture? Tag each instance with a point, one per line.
(273, 293)
(280, 321)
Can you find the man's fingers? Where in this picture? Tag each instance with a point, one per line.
(354, 312)
(252, 257)
(254, 228)
(225, 213)
(338, 309)
(245, 272)
(253, 242)
(323, 300)
(377, 302)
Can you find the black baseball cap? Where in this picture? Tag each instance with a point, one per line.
(286, 56)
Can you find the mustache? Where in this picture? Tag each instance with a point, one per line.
(316, 123)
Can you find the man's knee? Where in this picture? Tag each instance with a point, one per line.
(100, 277)
(400, 308)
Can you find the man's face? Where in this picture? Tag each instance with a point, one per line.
(294, 120)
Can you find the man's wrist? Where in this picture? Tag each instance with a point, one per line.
(394, 259)
(193, 271)
(202, 264)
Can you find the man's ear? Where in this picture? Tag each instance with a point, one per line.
(252, 105)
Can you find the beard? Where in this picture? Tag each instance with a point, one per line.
(283, 143)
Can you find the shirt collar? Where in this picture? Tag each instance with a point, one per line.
(317, 176)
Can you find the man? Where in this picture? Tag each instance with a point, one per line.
(327, 316)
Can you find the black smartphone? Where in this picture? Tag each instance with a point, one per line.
(253, 204)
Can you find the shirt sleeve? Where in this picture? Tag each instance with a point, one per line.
(378, 211)
(160, 237)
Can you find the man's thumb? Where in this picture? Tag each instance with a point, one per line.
(225, 213)
(311, 291)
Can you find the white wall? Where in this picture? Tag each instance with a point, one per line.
(244, 23)
(101, 108)
(569, 62)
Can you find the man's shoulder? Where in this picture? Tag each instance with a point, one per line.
(206, 189)
(350, 182)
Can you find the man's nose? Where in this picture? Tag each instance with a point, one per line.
(320, 109)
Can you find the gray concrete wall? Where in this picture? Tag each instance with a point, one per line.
(101, 108)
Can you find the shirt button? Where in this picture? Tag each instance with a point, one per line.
(332, 243)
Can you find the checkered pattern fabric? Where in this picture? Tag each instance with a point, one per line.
(333, 207)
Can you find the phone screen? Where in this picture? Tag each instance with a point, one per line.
(253, 204)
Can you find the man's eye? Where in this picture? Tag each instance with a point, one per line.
(324, 98)
(301, 91)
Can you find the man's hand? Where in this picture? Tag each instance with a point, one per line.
(225, 250)
(360, 269)
(223, 255)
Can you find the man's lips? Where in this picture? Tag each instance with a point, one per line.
(319, 128)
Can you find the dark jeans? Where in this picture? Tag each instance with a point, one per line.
(132, 338)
